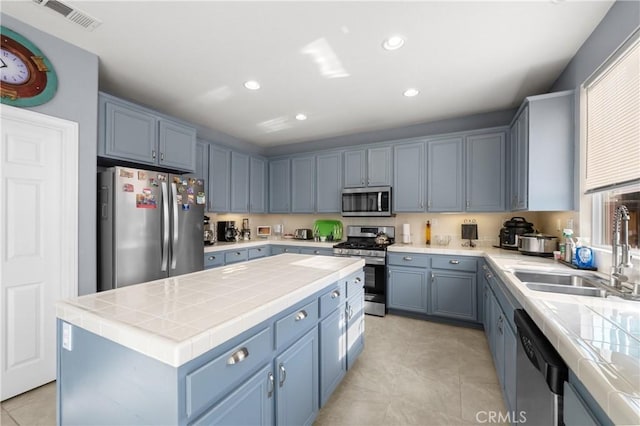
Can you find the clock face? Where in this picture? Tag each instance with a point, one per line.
(13, 69)
(27, 77)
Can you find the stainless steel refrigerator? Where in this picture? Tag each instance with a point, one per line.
(150, 226)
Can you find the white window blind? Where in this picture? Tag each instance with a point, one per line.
(613, 122)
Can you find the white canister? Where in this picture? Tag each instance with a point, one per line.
(406, 233)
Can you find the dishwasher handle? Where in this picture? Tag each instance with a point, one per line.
(540, 352)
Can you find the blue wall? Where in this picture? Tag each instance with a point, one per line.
(618, 24)
(76, 100)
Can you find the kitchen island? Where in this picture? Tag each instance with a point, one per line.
(256, 342)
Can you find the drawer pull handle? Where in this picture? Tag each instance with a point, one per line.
(301, 315)
(488, 275)
(238, 356)
(238, 253)
(454, 262)
(358, 279)
(316, 252)
(484, 267)
(407, 258)
(212, 258)
(283, 375)
(335, 294)
(272, 384)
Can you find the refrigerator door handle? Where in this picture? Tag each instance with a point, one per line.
(165, 227)
(174, 243)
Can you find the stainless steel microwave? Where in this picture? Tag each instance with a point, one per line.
(374, 201)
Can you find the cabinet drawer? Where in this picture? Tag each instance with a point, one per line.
(257, 252)
(212, 260)
(296, 323)
(408, 259)
(284, 249)
(208, 382)
(355, 284)
(332, 299)
(316, 251)
(235, 256)
(455, 263)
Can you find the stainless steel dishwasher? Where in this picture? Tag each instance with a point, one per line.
(541, 374)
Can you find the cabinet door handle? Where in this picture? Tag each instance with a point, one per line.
(484, 267)
(433, 277)
(454, 262)
(429, 204)
(467, 203)
(335, 294)
(407, 258)
(272, 384)
(238, 356)
(162, 156)
(301, 315)
(153, 154)
(488, 275)
(283, 375)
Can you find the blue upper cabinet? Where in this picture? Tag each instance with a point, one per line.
(329, 182)
(409, 178)
(280, 186)
(544, 128)
(303, 185)
(177, 145)
(132, 133)
(219, 185)
(239, 182)
(485, 172)
(368, 167)
(258, 185)
(445, 174)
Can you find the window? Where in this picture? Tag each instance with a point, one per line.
(612, 149)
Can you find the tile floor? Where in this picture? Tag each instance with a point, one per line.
(411, 373)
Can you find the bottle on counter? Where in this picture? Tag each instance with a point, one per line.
(428, 233)
(569, 245)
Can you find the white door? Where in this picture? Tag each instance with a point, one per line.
(38, 242)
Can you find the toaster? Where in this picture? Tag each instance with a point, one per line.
(303, 234)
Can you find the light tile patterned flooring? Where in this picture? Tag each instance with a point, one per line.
(411, 372)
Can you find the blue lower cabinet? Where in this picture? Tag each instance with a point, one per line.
(258, 252)
(213, 260)
(284, 249)
(252, 403)
(407, 289)
(333, 360)
(297, 382)
(454, 295)
(235, 256)
(510, 373)
(575, 411)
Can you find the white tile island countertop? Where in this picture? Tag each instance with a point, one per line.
(176, 319)
(598, 338)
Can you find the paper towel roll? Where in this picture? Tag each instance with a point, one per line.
(406, 233)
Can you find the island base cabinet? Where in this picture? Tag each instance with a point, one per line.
(250, 404)
(355, 327)
(99, 381)
(333, 360)
(297, 382)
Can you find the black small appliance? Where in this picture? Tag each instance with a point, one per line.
(513, 228)
(227, 231)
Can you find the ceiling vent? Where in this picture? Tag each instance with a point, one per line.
(71, 14)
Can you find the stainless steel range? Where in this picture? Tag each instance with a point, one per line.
(370, 243)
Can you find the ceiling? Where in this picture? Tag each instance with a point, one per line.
(325, 59)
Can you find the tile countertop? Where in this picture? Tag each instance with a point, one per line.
(174, 320)
(222, 246)
(599, 339)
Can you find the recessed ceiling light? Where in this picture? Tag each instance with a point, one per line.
(393, 43)
(301, 117)
(252, 85)
(409, 93)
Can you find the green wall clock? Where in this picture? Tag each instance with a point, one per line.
(27, 77)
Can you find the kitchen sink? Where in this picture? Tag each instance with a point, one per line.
(580, 285)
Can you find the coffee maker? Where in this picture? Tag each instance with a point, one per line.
(227, 231)
(246, 231)
(209, 232)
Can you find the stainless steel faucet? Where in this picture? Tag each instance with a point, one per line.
(620, 220)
